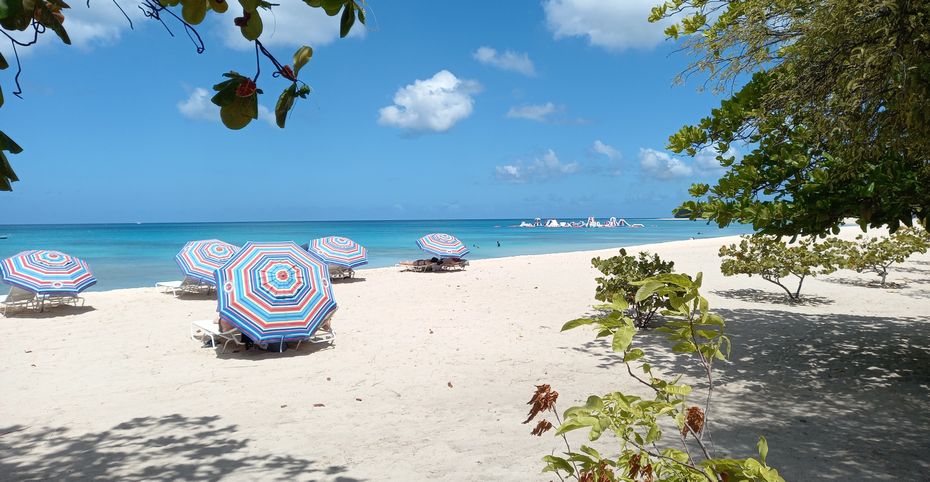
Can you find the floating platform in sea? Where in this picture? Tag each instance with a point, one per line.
(592, 222)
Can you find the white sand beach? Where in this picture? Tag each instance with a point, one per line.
(430, 375)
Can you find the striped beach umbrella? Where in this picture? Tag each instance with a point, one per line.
(47, 272)
(340, 251)
(200, 259)
(442, 245)
(274, 292)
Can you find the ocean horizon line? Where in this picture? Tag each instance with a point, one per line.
(163, 223)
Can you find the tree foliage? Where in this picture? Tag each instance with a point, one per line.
(776, 261)
(835, 110)
(879, 254)
(621, 272)
(22, 22)
(637, 423)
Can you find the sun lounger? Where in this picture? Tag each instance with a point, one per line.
(187, 286)
(453, 264)
(203, 329)
(340, 272)
(323, 334)
(50, 301)
(420, 265)
(18, 298)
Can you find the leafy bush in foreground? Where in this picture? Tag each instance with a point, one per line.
(620, 274)
(644, 455)
(774, 260)
(878, 254)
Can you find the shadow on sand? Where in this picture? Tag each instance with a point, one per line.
(758, 296)
(51, 312)
(167, 448)
(839, 397)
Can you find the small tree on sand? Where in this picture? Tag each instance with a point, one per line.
(620, 274)
(637, 423)
(775, 261)
(879, 254)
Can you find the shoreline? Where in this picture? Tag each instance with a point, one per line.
(439, 366)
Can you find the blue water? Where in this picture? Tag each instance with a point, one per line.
(134, 255)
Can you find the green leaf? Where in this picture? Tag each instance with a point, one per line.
(347, 20)
(284, 105)
(555, 464)
(301, 57)
(194, 11)
(576, 323)
(633, 355)
(331, 7)
(7, 144)
(763, 448)
(3, 64)
(622, 338)
(239, 113)
(647, 289)
(253, 28)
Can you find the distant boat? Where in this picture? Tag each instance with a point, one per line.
(3, 236)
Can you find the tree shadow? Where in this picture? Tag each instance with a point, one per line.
(348, 281)
(257, 354)
(863, 283)
(837, 396)
(758, 296)
(167, 448)
(50, 312)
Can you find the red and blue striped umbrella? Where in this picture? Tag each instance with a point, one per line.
(274, 291)
(340, 251)
(442, 245)
(200, 259)
(47, 272)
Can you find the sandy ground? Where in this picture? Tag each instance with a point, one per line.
(431, 373)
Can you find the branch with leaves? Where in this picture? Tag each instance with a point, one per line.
(237, 96)
(635, 422)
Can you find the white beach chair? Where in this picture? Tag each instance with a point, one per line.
(188, 285)
(203, 329)
(340, 272)
(323, 334)
(18, 298)
(50, 301)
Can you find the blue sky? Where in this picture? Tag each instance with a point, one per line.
(438, 110)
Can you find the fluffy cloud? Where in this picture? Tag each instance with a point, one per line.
(289, 24)
(198, 106)
(435, 104)
(706, 159)
(507, 60)
(615, 26)
(538, 113)
(100, 24)
(541, 168)
(663, 166)
(606, 150)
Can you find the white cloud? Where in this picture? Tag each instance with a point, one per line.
(663, 166)
(198, 106)
(541, 168)
(507, 60)
(606, 150)
(289, 24)
(538, 113)
(101, 24)
(706, 159)
(614, 25)
(435, 104)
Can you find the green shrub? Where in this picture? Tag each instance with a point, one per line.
(643, 452)
(774, 260)
(879, 254)
(620, 274)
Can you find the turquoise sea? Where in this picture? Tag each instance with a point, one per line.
(134, 255)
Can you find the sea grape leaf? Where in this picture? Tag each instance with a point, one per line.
(194, 11)
(301, 57)
(240, 112)
(347, 20)
(284, 105)
(253, 27)
(46, 17)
